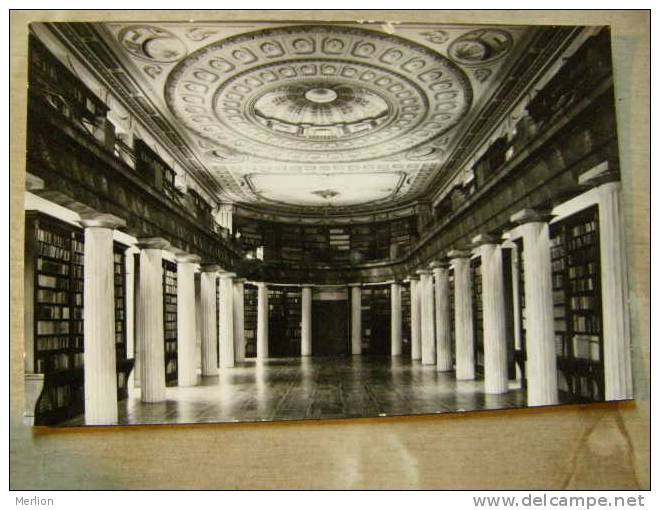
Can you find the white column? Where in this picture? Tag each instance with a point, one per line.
(614, 289)
(262, 320)
(395, 322)
(442, 319)
(209, 326)
(356, 318)
(496, 376)
(226, 345)
(415, 325)
(464, 328)
(239, 319)
(540, 335)
(427, 322)
(100, 359)
(149, 320)
(306, 327)
(186, 318)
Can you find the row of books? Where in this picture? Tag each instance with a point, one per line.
(54, 252)
(589, 324)
(583, 285)
(54, 327)
(61, 361)
(54, 238)
(52, 267)
(52, 343)
(588, 269)
(53, 282)
(52, 312)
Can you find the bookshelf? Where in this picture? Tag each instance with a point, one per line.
(151, 167)
(402, 233)
(217, 321)
(376, 319)
(452, 316)
(336, 244)
(315, 244)
(339, 240)
(366, 319)
(124, 365)
(380, 320)
(477, 315)
(381, 242)
(250, 318)
(54, 86)
(520, 355)
(291, 244)
(54, 259)
(277, 343)
(405, 319)
(293, 313)
(170, 324)
(575, 256)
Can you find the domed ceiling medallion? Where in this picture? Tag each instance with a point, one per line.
(312, 94)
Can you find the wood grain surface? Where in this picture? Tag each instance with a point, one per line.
(595, 446)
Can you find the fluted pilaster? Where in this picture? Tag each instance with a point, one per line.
(395, 323)
(186, 315)
(149, 319)
(427, 322)
(262, 320)
(442, 318)
(306, 326)
(614, 288)
(415, 320)
(496, 377)
(540, 336)
(226, 318)
(464, 328)
(239, 319)
(99, 324)
(209, 326)
(356, 318)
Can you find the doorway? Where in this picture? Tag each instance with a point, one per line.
(330, 328)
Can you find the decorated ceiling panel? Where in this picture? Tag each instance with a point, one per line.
(297, 117)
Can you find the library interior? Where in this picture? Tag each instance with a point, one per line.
(256, 221)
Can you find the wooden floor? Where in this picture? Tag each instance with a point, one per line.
(312, 388)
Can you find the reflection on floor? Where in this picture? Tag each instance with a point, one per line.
(311, 388)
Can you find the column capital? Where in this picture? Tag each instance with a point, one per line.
(101, 220)
(307, 285)
(260, 284)
(458, 254)
(226, 274)
(424, 272)
(600, 174)
(438, 264)
(483, 239)
(154, 243)
(189, 258)
(530, 216)
(411, 277)
(240, 280)
(358, 285)
(34, 183)
(211, 268)
(184, 256)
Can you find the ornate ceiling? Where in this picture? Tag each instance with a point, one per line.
(298, 117)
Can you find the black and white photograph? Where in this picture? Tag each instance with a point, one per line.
(265, 221)
(328, 250)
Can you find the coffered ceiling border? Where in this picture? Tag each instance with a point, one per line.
(428, 181)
